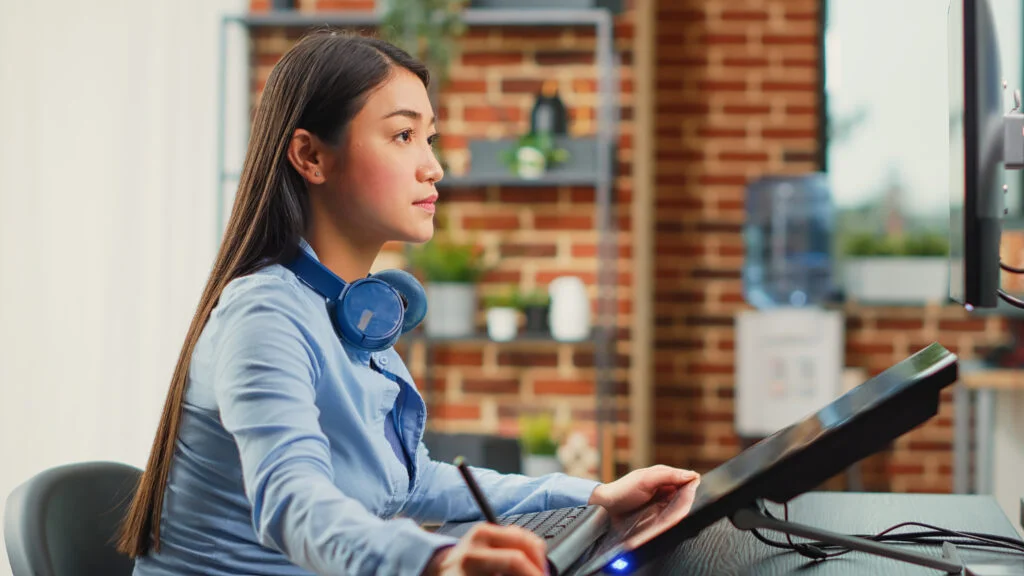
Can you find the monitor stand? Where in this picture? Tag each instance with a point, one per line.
(754, 517)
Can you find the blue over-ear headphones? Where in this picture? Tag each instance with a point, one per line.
(370, 313)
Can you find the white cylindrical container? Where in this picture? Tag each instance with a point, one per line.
(451, 309)
(502, 323)
(569, 317)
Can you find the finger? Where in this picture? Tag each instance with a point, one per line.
(514, 537)
(669, 470)
(691, 487)
(500, 561)
(657, 476)
(689, 496)
(666, 492)
(686, 475)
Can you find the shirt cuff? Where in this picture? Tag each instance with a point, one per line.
(413, 557)
(570, 491)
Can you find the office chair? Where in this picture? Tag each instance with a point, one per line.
(63, 521)
(495, 452)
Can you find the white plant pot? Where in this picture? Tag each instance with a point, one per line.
(530, 163)
(534, 465)
(451, 309)
(897, 279)
(502, 323)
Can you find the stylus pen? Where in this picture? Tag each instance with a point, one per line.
(478, 495)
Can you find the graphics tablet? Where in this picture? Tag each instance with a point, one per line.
(792, 461)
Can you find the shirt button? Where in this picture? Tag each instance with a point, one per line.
(382, 360)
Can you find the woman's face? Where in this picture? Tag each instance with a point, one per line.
(382, 180)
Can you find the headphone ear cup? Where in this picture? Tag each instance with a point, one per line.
(412, 293)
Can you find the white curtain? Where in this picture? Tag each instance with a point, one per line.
(108, 180)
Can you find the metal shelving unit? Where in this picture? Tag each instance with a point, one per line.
(601, 177)
(483, 338)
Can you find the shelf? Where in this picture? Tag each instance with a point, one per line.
(485, 156)
(476, 180)
(980, 375)
(471, 16)
(553, 178)
(483, 338)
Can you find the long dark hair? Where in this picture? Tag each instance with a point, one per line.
(319, 85)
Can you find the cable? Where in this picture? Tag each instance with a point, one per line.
(819, 551)
(970, 538)
(1011, 300)
(1009, 268)
(933, 531)
(805, 550)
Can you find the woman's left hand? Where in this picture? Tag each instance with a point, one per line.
(640, 487)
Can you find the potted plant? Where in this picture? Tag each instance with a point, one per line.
(908, 269)
(427, 29)
(450, 272)
(615, 6)
(502, 315)
(535, 305)
(533, 154)
(540, 451)
(430, 31)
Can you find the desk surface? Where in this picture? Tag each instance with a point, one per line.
(721, 549)
(975, 374)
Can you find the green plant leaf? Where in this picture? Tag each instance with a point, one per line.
(534, 298)
(913, 244)
(542, 141)
(427, 29)
(536, 435)
(926, 244)
(507, 298)
(443, 261)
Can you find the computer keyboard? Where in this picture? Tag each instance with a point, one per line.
(567, 532)
(547, 524)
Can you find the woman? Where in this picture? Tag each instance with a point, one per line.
(290, 440)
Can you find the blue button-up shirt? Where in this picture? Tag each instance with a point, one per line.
(284, 465)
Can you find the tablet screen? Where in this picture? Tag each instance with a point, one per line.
(744, 470)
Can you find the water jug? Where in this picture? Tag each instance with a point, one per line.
(788, 241)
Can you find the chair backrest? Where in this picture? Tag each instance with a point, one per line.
(488, 451)
(63, 521)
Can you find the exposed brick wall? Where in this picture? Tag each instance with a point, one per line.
(535, 234)
(737, 98)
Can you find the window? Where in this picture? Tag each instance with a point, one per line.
(885, 85)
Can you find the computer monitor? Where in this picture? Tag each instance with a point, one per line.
(975, 154)
(794, 460)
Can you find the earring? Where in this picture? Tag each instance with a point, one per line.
(318, 173)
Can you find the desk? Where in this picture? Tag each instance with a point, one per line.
(977, 390)
(721, 549)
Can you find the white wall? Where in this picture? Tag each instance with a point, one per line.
(107, 233)
(1008, 455)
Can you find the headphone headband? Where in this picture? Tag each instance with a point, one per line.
(316, 275)
(370, 313)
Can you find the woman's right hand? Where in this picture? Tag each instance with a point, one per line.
(491, 549)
